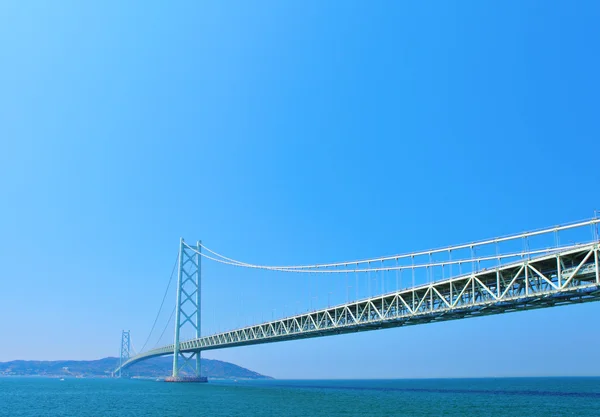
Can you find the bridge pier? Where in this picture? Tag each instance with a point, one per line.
(186, 379)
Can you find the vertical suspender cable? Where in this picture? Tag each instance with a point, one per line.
(397, 284)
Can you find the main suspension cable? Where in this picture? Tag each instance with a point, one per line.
(166, 326)
(230, 261)
(385, 268)
(161, 303)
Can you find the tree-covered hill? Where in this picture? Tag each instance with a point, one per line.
(155, 367)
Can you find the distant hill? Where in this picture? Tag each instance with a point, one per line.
(155, 367)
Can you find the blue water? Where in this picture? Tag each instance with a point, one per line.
(448, 397)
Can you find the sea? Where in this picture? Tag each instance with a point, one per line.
(38, 397)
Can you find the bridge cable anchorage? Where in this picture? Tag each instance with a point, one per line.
(230, 261)
(161, 303)
(472, 260)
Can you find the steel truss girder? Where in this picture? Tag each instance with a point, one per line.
(571, 276)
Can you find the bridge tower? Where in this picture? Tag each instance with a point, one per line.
(187, 312)
(125, 350)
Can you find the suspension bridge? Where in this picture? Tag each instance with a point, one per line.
(536, 269)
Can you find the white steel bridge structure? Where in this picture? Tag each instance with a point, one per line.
(494, 282)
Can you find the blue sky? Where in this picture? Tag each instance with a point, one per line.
(288, 132)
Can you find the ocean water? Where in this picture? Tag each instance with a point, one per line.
(443, 397)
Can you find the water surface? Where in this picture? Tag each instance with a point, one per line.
(432, 397)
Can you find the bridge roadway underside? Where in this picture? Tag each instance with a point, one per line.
(566, 277)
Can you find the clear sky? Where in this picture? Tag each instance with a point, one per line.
(288, 132)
